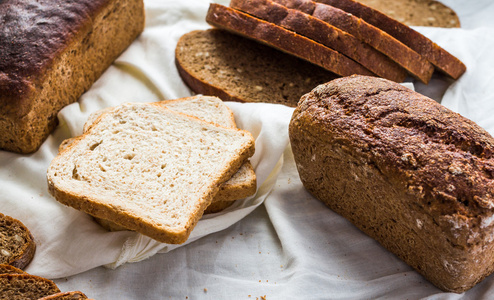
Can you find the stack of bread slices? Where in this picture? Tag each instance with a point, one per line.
(17, 248)
(343, 37)
(155, 168)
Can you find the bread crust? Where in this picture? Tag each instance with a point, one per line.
(55, 56)
(25, 286)
(414, 63)
(407, 171)
(323, 33)
(439, 57)
(275, 36)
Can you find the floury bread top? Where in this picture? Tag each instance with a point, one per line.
(32, 35)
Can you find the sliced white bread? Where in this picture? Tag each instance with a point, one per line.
(148, 169)
(211, 109)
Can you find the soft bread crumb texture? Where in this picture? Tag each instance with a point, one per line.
(144, 165)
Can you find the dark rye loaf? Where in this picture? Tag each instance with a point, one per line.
(17, 245)
(287, 41)
(404, 169)
(439, 57)
(216, 62)
(51, 52)
(414, 63)
(323, 33)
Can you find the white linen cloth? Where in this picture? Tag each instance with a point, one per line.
(282, 243)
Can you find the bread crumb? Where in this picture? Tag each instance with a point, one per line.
(205, 290)
(263, 297)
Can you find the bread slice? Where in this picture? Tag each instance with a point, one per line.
(8, 269)
(323, 33)
(216, 62)
(416, 12)
(25, 286)
(65, 296)
(439, 57)
(17, 244)
(148, 169)
(413, 62)
(275, 36)
(211, 109)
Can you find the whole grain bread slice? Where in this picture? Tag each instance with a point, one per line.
(416, 12)
(74, 295)
(148, 169)
(324, 33)
(413, 62)
(216, 62)
(8, 269)
(211, 109)
(439, 57)
(25, 286)
(285, 40)
(17, 244)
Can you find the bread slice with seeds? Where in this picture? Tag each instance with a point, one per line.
(25, 286)
(17, 244)
(65, 296)
(148, 169)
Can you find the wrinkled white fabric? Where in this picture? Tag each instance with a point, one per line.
(281, 243)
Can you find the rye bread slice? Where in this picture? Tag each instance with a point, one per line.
(65, 296)
(17, 244)
(148, 169)
(233, 68)
(285, 40)
(417, 12)
(8, 269)
(439, 57)
(324, 33)
(413, 62)
(25, 286)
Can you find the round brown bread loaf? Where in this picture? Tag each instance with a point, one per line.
(17, 245)
(25, 286)
(404, 169)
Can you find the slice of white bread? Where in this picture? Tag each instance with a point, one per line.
(148, 169)
(17, 244)
(211, 109)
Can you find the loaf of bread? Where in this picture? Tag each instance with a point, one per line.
(404, 169)
(216, 62)
(51, 52)
(17, 244)
(148, 169)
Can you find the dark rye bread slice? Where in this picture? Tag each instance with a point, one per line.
(414, 63)
(323, 33)
(8, 269)
(65, 296)
(17, 245)
(25, 286)
(417, 12)
(439, 57)
(287, 41)
(233, 68)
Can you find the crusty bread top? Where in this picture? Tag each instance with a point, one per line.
(148, 169)
(442, 158)
(32, 34)
(17, 245)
